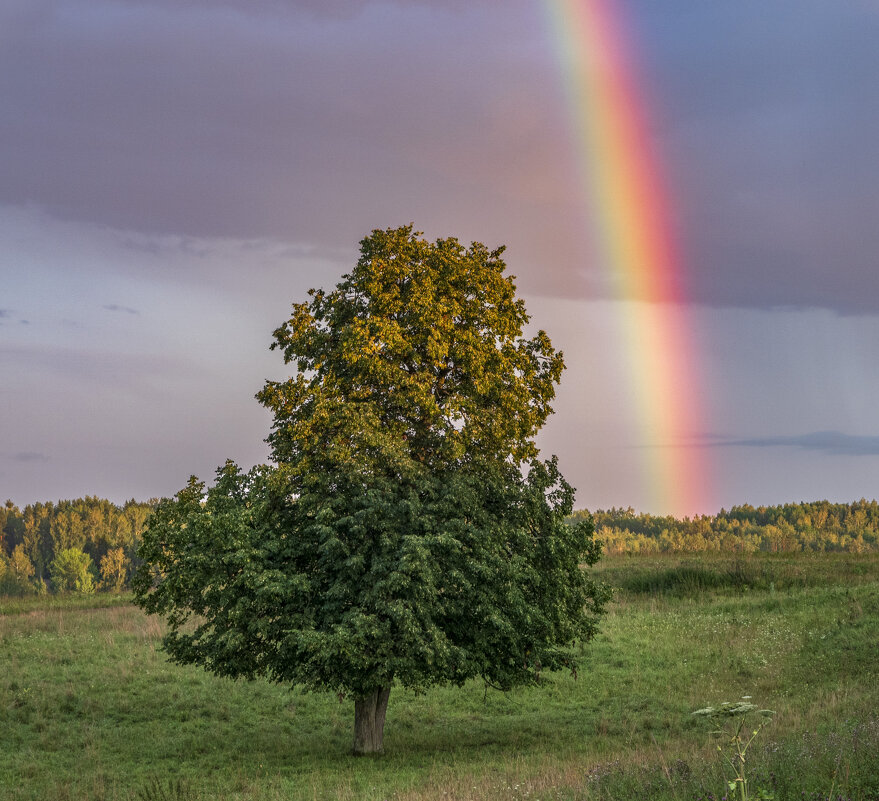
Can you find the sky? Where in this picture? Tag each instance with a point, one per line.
(175, 173)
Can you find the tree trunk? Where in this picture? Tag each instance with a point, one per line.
(369, 721)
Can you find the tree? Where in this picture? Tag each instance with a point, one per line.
(71, 569)
(66, 530)
(20, 564)
(15, 573)
(409, 532)
(35, 539)
(114, 569)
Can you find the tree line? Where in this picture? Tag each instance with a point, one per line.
(91, 544)
(81, 545)
(815, 526)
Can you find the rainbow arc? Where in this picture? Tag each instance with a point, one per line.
(628, 218)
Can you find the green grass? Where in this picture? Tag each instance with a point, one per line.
(17, 605)
(91, 709)
(681, 576)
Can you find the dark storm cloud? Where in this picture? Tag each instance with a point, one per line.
(832, 442)
(769, 118)
(190, 120)
(314, 121)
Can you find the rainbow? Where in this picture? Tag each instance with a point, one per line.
(627, 212)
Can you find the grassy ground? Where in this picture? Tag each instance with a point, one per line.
(90, 709)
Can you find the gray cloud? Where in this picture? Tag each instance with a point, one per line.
(115, 307)
(833, 442)
(333, 9)
(240, 126)
(28, 456)
(768, 120)
(313, 122)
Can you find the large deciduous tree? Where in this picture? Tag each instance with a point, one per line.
(408, 531)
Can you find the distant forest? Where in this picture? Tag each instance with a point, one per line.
(817, 526)
(80, 545)
(91, 544)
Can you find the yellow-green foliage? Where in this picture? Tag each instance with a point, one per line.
(818, 526)
(32, 538)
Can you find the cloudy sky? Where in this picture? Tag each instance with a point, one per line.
(174, 173)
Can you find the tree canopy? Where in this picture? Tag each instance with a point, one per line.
(72, 570)
(408, 531)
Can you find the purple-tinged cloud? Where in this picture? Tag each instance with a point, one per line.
(313, 122)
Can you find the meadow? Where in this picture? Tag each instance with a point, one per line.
(91, 709)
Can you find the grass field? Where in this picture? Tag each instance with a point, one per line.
(90, 709)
